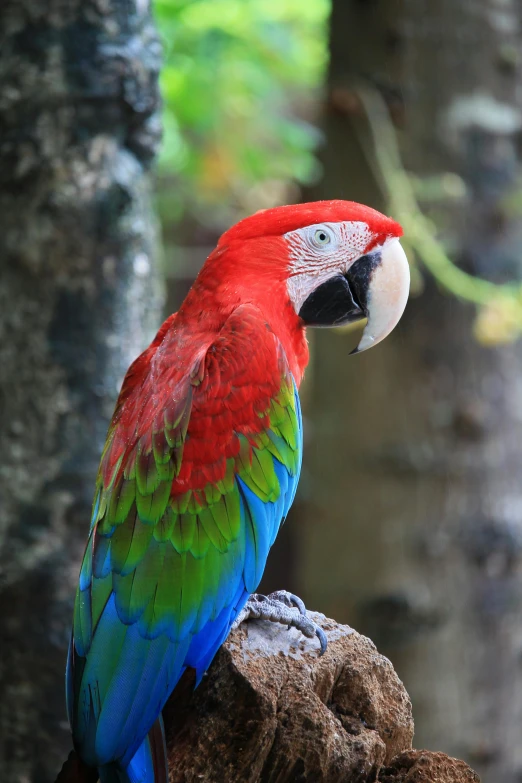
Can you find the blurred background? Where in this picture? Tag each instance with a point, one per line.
(408, 520)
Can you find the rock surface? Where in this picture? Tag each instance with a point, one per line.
(271, 709)
(424, 766)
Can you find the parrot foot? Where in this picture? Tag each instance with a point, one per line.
(281, 607)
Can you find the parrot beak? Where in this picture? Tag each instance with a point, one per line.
(381, 282)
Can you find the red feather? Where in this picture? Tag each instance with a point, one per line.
(217, 360)
(280, 220)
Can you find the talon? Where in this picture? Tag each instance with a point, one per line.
(323, 641)
(280, 607)
(289, 599)
(298, 603)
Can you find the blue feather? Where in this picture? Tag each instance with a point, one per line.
(123, 671)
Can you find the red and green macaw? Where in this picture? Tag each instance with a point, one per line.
(201, 465)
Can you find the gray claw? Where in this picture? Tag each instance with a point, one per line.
(289, 599)
(279, 607)
(323, 641)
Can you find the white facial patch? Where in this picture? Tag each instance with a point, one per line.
(319, 251)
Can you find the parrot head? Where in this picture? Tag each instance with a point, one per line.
(328, 262)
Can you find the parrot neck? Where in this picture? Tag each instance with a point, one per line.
(210, 302)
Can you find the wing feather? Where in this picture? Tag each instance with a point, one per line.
(199, 469)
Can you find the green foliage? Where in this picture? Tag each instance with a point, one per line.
(237, 81)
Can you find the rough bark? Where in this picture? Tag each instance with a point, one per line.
(414, 481)
(79, 297)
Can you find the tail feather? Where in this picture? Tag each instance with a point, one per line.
(148, 765)
(158, 750)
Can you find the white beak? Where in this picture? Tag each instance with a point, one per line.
(387, 294)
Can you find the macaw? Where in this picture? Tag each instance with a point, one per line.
(201, 465)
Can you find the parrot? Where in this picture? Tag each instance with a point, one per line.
(201, 465)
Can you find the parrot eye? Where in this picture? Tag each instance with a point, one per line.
(322, 237)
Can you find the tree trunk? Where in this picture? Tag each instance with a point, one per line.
(80, 296)
(414, 531)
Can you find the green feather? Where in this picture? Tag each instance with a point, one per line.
(102, 509)
(135, 590)
(212, 494)
(129, 470)
(100, 562)
(227, 483)
(263, 467)
(114, 473)
(101, 591)
(171, 437)
(183, 532)
(122, 497)
(180, 503)
(217, 539)
(220, 515)
(163, 529)
(288, 428)
(140, 541)
(279, 448)
(283, 422)
(167, 600)
(121, 541)
(276, 413)
(193, 589)
(244, 457)
(215, 571)
(160, 446)
(147, 475)
(233, 507)
(129, 544)
(82, 621)
(195, 503)
(86, 569)
(151, 507)
(286, 396)
(144, 507)
(201, 541)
